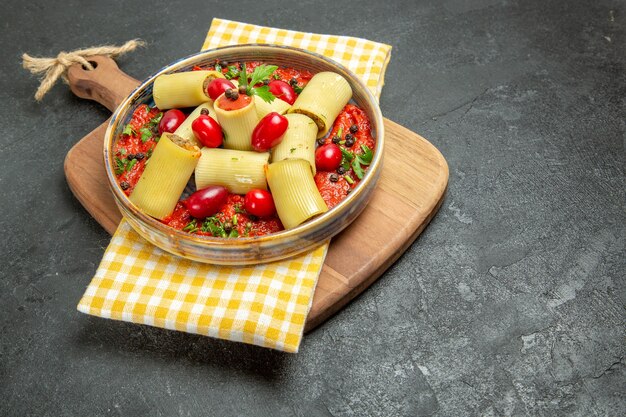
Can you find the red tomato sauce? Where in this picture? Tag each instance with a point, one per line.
(227, 104)
(141, 136)
(138, 141)
(231, 216)
(334, 192)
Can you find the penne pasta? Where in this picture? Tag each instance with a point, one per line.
(298, 141)
(322, 100)
(277, 105)
(184, 130)
(296, 197)
(239, 171)
(165, 176)
(182, 89)
(237, 124)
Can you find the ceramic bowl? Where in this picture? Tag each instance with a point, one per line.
(259, 249)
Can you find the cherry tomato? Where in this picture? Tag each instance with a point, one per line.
(328, 157)
(206, 202)
(171, 120)
(269, 131)
(218, 86)
(208, 131)
(282, 90)
(259, 203)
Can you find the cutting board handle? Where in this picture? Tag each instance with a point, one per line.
(106, 83)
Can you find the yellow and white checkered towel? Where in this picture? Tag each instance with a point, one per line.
(265, 305)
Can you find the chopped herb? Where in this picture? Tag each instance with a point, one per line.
(238, 209)
(233, 233)
(128, 130)
(243, 77)
(131, 164)
(366, 157)
(247, 230)
(192, 227)
(234, 220)
(276, 76)
(349, 179)
(363, 159)
(347, 155)
(340, 132)
(156, 120)
(218, 67)
(120, 165)
(292, 150)
(148, 109)
(146, 134)
(298, 89)
(346, 159)
(356, 167)
(123, 151)
(232, 72)
(149, 153)
(214, 226)
(234, 159)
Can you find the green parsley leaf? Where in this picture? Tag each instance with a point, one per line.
(264, 93)
(292, 150)
(261, 73)
(358, 171)
(123, 151)
(276, 76)
(233, 233)
(146, 134)
(218, 67)
(349, 156)
(128, 130)
(297, 89)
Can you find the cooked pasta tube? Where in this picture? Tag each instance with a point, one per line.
(184, 130)
(277, 105)
(182, 89)
(298, 141)
(295, 195)
(322, 100)
(166, 174)
(237, 124)
(239, 171)
(263, 107)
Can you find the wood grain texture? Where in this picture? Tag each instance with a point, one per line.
(408, 195)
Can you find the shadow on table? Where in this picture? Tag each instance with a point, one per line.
(115, 338)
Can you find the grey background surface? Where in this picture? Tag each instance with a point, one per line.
(512, 302)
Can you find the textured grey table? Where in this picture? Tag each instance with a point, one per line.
(510, 303)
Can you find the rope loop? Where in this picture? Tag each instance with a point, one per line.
(55, 68)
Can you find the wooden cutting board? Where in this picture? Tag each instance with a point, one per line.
(409, 193)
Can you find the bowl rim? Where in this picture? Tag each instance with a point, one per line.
(310, 225)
